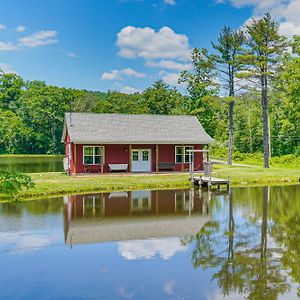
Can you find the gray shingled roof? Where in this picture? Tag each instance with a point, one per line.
(96, 128)
(134, 228)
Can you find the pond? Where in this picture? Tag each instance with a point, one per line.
(162, 244)
(32, 164)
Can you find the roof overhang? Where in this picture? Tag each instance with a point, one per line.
(142, 142)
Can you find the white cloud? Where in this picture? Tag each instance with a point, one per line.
(5, 68)
(2, 27)
(147, 249)
(120, 74)
(20, 29)
(169, 78)
(132, 73)
(124, 293)
(129, 90)
(286, 12)
(169, 287)
(40, 38)
(169, 64)
(170, 2)
(27, 241)
(7, 46)
(72, 55)
(136, 42)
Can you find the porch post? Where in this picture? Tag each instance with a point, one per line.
(207, 154)
(129, 161)
(156, 159)
(183, 157)
(75, 160)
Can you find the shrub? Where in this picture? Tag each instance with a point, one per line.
(12, 182)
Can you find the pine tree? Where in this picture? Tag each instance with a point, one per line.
(228, 64)
(264, 47)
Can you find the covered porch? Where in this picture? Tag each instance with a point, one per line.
(131, 158)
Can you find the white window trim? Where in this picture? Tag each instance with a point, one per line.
(186, 162)
(183, 154)
(103, 154)
(178, 163)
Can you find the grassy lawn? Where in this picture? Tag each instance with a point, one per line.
(240, 175)
(57, 183)
(30, 156)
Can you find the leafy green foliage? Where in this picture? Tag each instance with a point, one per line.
(163, 100)
(11, 86)
(201, 87)
(12, 182)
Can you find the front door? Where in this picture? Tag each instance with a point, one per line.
(141, 160)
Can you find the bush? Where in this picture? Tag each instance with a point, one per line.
(12, 182)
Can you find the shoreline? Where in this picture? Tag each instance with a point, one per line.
(55, 184)
(62, 194)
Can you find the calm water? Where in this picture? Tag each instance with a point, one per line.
(32, 164)
(173, 244)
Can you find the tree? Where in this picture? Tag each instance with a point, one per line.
(14, 135)
(11, 86)
(116, 102)
(163, 100)
(42, 108)
(286, 107)
(228, 64)
(201, 86)
(264, 46)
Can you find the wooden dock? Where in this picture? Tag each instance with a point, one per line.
(209, 182)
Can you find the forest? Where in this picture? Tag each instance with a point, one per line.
(245, 92)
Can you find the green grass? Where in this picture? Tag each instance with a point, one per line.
(30, 155)
(50, 184)
(57, 183)
(257, 175)
(290, 161)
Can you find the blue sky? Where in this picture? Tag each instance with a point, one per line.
(119, 44)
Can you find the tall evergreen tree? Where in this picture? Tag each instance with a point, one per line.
(264, 47)
(228, 64)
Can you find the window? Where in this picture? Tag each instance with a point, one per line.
(187, 154)
(145, 155)
(93, 155)
(179, 155)
(135, 155)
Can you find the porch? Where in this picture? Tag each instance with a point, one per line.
(130, 158)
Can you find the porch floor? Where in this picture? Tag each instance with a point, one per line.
(134, 173)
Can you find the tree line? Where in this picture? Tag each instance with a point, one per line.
(245, 93)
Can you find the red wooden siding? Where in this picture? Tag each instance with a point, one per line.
(162, 203)
(120, 154)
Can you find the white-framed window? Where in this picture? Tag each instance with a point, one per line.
(183, 156)
(178, 154)
(187, 154)
(93, 155)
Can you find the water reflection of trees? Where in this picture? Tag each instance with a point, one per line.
(255, 255)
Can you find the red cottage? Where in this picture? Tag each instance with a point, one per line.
(132, 143)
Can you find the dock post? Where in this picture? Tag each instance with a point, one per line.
(228, 183)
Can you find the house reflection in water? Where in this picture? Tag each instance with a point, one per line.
(121, 216)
